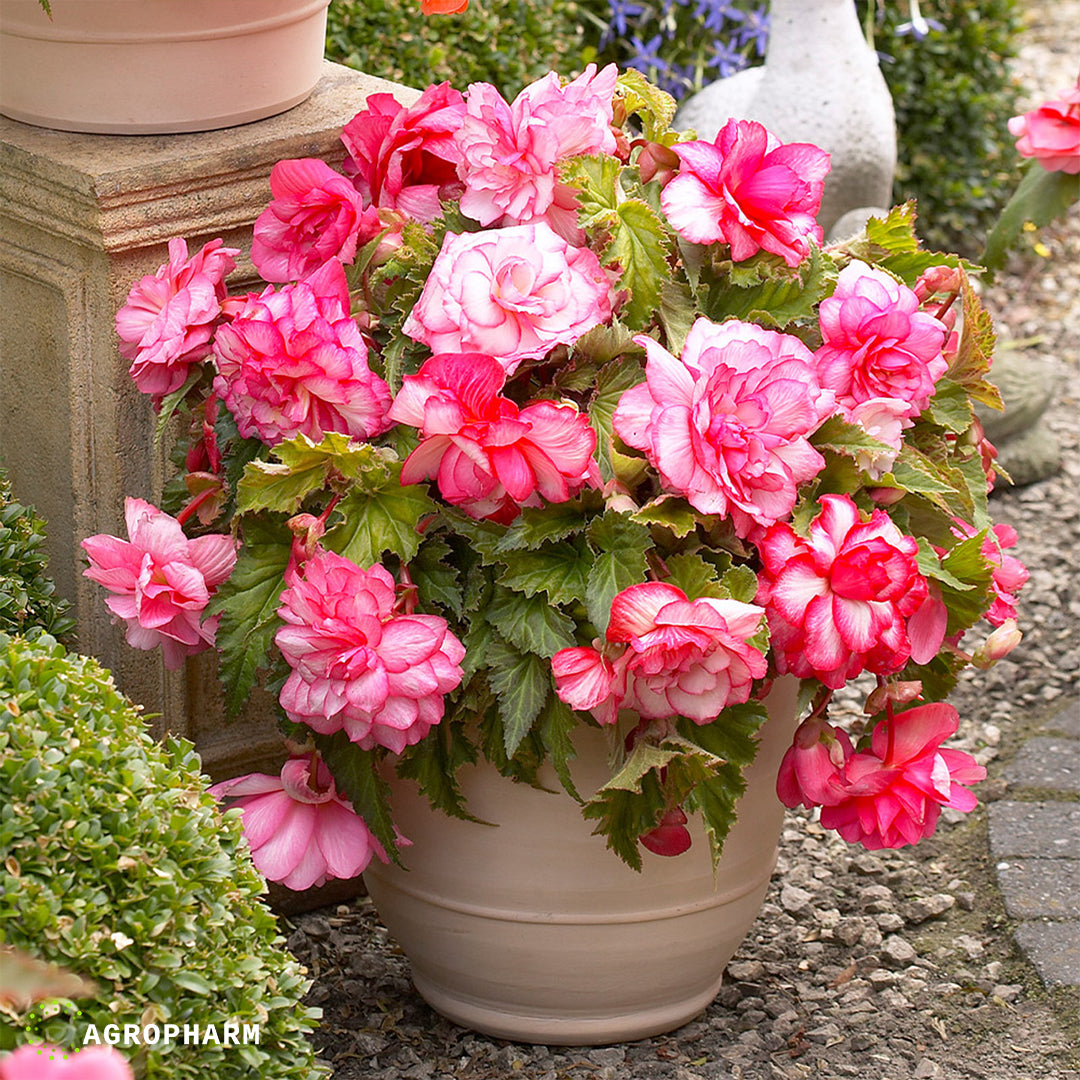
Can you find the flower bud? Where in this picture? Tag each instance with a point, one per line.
(898, 692)
(657, 162)
(1000, 643)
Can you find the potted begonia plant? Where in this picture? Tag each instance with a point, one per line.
(559, 464)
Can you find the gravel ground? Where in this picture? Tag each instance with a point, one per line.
(888, 966)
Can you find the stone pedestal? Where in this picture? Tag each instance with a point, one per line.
(81, 218)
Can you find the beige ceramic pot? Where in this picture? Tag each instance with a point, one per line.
(534, 931)
(144, 66)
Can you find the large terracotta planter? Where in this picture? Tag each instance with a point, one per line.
(143, 66)
(534, 931)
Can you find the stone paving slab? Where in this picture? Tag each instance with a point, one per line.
(1067, 721)
(1054, 949)
(1041, 888)
(1046, 761)
(1038, 830)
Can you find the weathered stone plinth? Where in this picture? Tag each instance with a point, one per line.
(81, 218)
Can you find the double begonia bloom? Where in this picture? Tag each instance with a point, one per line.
(847, 598)
(488, 456)
(726, 424)
(301, 832)
(748, 190)
(160, 580)
(1051, 133)
(680, 657)
(405, 158)
(358, 665)
(512, 293)
(316, 214)
(43, 1061)
(292, 362)
(509, 151)
(894, 791)
(876, 343)
(166, 324)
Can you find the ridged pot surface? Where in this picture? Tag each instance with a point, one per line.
(157, 66)
(534, 931)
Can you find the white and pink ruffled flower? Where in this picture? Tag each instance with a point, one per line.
(876, 343)
(405, 158)
(509, 151)
(587, 680)
(726, 424)
(160, 580)
(488, 456)
(168, 320)
(301, 832)
(512, 293)
(748, 190)
(847, 598)
(356, 663)
(315, 215)
(292, 362)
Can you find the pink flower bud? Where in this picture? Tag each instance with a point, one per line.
(898, 692)
(670, 837)
(1000, 643)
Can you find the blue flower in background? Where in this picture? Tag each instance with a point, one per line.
(645, 58)
(755, 29)
(920, 29)
(726, 58)
(621, 10)
(714, 13)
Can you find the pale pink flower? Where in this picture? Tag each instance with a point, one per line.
(487, 455)
(301, 832)
(405, 158)
(587, 680)
(160, 580)
(511, 293)
(845, 599)
(749, 191)
(1051, 133)
(998, 644)
(356, 663)
(883, 419)
(726, 424)
(168, 320)
(894, 792)
(509, 152)
(43, 1061)
(876, 343)
(292, 362)
(811, 773)
(315, 215)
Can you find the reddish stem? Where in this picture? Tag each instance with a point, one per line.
(195, 503)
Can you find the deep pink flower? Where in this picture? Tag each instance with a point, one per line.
(1051, 133)
(671, 836)
(315, 215)
(726, 424)
(894, 791)
(845, 599)
(405, 158)
(300, 830)
(748, 190)
(168, 320)
(358, 665)
(511, 293)
(43, 1061)
(586, 679)
(1009, 573)
(876, 343)
(509, 152)
(292, 362)
(488, 456)
(811, 773)
(160, 580)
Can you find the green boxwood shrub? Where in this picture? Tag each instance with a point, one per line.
(27, 595)
(116, 864)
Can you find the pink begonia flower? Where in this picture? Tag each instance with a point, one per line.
(876, 343)
(1009, 573)
(292, 362)
(1051, 133)
(749, 191)
(315, 215)
(726, 424)
(487, 455)
(894, 792)
(168, 320)
(509, 152)
(405, 158)
(160, 580)
(358, 665)
(681, 657)
(882, 419)
(844, 599)
(511, 293)
(43, 1061)
(811, 773)
(300, 830)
